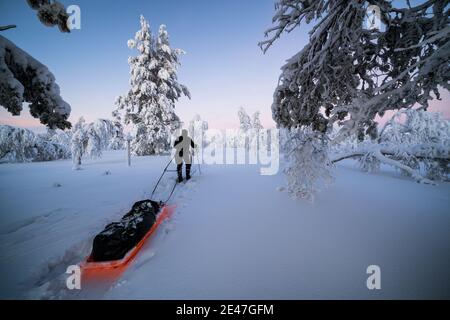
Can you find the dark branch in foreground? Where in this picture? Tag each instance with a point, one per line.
(11, 26)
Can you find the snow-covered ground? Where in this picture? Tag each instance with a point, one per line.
(233, 236)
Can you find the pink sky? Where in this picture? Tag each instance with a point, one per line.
(25, 120)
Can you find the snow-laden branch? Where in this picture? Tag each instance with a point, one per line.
(51, 13)
(24, 79)
(416, 176)
(382, 156)
(412, 141)
(348, 74)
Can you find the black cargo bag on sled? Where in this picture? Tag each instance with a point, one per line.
(118, 238)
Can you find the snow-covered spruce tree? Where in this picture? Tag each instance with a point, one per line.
(348, 73)
(149, 105)
(24, 79)
(197, 130)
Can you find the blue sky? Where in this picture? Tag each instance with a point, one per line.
(223, 68)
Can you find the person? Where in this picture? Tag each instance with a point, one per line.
(183, 145)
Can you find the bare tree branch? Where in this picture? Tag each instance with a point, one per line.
(10, 26)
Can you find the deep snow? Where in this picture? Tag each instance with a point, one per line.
(233, 236)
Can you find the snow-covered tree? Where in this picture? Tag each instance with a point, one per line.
(305, 153)
(79, 142)
(149, 105)
(51, 13)
(22, 145)
(117, 140)
(245, 123)
(241, 139)
(249, 128)
(93, 138)
(24, 79)
(59, 137)
(256, 122)
(348, 73)
(197, 130)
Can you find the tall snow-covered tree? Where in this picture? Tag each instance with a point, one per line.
(349, 73)
(149, 105)
(24, 79)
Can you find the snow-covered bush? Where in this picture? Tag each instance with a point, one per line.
(149, 105)
(349, 73)
(22, 145)
(24, 79)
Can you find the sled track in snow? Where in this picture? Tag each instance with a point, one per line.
(49, 282)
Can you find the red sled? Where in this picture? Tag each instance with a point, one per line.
(114, 268)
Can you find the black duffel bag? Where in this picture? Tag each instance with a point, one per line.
(118, 238)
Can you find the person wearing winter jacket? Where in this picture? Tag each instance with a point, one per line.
(184, 146)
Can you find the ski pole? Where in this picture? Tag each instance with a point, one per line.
(164, 171)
